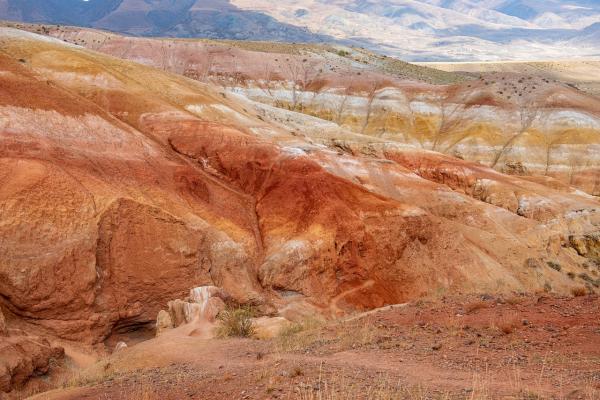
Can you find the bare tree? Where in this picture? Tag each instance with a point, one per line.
(207, 67)
(576, 164)
(528, 111)
(451, 108)
(231, 75)
(302, 73)
(339, 113)
(267, 80)
(371, 96)
(341, 105)
(383, 114)
(405, 103)
(550, 140)
(201, 72)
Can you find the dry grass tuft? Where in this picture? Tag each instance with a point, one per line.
(579, 291)
(514, 300)
(342, 388)
(508, 324)
(235, 322)
(475, 306)
(300, 335)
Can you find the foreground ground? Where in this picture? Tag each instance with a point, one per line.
(474, 347)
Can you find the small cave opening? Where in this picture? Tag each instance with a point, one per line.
(131, 332)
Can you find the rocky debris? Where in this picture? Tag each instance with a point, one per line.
(23, 356)
(201, 306)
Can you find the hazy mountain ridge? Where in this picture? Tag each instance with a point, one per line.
(175, 18)
(456, 29)
(423, 30)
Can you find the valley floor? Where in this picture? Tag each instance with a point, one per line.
(469, 347)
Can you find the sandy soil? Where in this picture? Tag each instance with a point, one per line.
(475, 347)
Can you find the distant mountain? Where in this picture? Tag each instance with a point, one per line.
(175, 18)
(424, 30)
(440, 30)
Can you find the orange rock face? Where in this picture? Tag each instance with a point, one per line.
(122, 187)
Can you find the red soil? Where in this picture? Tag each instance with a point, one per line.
(472, 347)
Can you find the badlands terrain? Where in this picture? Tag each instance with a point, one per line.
(392, 230)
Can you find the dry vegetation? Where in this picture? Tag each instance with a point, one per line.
(235, 322)
(476, 347)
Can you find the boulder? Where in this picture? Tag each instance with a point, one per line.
(22, 357)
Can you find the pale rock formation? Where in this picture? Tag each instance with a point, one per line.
(120, 346)
(163, 322)
(201, 307)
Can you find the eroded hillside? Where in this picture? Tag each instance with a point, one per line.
(515, 120)
(123, 186)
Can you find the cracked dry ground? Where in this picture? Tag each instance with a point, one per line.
(468, 347)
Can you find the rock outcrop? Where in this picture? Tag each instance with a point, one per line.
(201, 307)
(23, 356)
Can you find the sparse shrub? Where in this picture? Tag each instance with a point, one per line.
(571, 275)
(508, 324)
(474, 306)
(514, 300)
(587, 278)
(299, 335)
(291, 330)
(554, 265)
(235, 322)
(578, 291)
(296, 371)
(506, 328)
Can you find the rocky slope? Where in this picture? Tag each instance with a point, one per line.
(122, 187)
